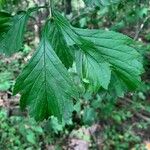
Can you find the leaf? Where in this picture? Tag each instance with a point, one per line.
(5, 23)
(31, 137)
(90, 63)
(103, 52)
(89, 116)
(101, 2)
(45, 85)
(5, 80)
(98, 73)
(55, 125)
(65, 53)
(114, 49)
(11, 38)
(117, 86)
(2, 3)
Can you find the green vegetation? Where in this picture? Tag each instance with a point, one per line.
(82, 74)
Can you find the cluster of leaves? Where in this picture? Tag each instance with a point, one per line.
(103, 60)
(117, 128)
(121, 123)
(23, 132)
(17, 132)
(119, 17)
(130, 12)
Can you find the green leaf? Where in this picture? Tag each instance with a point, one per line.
(11, 35)
(103, 52)
(5, 23)
(101, 2)
(117, 86)
(2, 3)
(91, 67)
(65, 53)
(89, 116)
(45, 85)
(114, 48)
(98, 73)
(5, 80)
(31, 137)
(55, 125)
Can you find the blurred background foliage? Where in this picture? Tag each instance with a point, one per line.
(101, 120)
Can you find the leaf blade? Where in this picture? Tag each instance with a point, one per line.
(45, 85)
(11, 39)
(65, 53)
(116, 50)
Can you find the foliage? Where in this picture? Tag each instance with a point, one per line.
(96, 61)
(5, 81)
(16, 132)
(12, 30)
(120, 129)
(48, 82)
(129, 14)
(87, 54)
(106, 63)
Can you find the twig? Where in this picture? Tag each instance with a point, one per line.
(142, 117)
(50, 9)
(140, 28)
